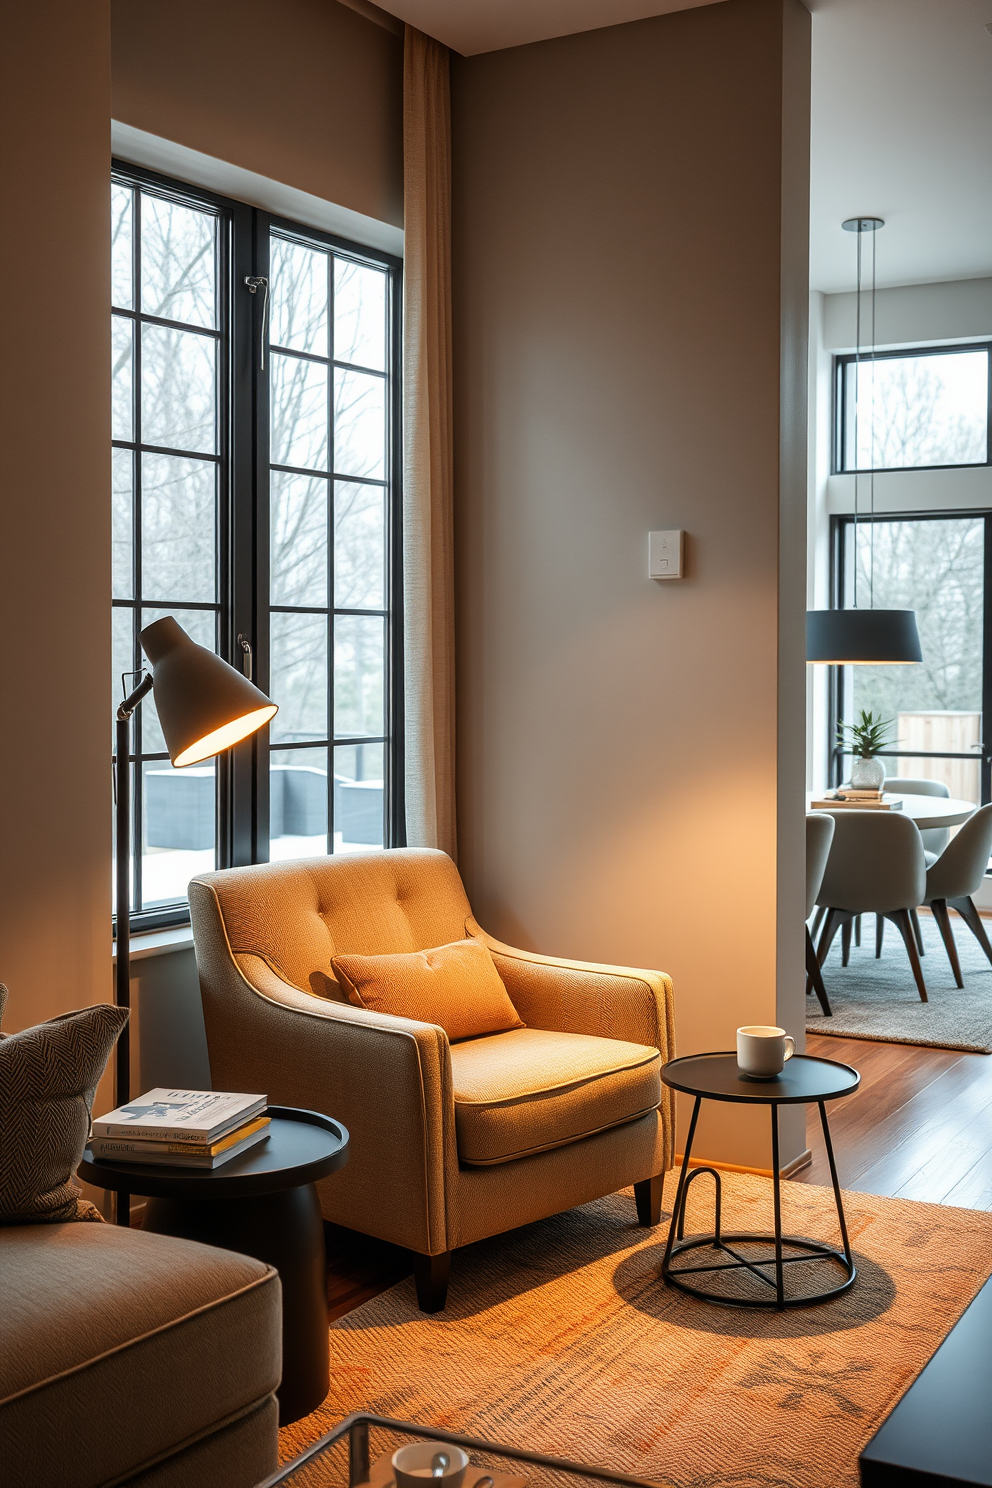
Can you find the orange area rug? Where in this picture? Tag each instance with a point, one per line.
(560, 1337)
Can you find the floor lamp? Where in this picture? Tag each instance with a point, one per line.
(204, 707)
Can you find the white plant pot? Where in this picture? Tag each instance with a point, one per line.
(867, 774)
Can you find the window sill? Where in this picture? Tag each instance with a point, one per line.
(159, 942)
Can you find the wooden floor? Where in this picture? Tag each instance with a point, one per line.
(919, 1127)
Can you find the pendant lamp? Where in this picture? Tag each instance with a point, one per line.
(863, 636)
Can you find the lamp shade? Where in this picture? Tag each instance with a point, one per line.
(842, 637)
(204, 705)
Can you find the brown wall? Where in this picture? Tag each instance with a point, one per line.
(305, 92)
(54, 508)
(630, 283)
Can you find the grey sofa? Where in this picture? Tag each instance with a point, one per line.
(129, 1358)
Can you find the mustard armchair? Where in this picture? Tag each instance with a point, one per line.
(450, 1143)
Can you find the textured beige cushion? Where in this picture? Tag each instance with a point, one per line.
(118, 1346)
(48, 1078)
(531, 1089)
(456, 986)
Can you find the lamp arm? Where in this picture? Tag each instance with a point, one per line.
(129, 704)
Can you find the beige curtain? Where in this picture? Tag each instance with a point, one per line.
(428, 561)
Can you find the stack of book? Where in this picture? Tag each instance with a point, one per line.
(181, 1128)
(856, 799)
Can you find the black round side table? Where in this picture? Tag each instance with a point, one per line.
(263, 1203)
(717, 1077)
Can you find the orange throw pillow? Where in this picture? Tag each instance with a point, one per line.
(456, 986)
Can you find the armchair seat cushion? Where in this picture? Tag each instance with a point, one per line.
(531, 1089)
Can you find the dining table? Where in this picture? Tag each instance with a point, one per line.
(925, 811)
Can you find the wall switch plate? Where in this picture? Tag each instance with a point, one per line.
(665, 551)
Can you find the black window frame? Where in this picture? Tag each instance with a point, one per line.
(844, 360)
(840, 525)
(242, 824)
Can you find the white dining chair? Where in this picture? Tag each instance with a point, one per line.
(876, 866)
(934, 839)
(955, 877)
(819, 836)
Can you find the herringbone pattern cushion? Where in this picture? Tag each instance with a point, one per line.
(48, 1078)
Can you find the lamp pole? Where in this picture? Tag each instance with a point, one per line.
(122, 985)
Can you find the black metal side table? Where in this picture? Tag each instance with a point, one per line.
(717, 1077)
(262, 1203)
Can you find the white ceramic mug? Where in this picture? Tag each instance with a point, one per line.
(412, 1465)
(762, 1051)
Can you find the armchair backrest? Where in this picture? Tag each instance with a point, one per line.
(297, 915)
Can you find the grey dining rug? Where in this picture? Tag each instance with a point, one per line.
(878, 999)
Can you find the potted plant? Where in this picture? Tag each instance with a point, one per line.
(864, 739)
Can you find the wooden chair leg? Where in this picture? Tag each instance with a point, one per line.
(835, 918)
(966, 909)
(818, 919)
(647, 1197)
(939, 907)
(857, 930)
(879, 934)
(814, 977)
(430, 1274)
(845, 942)
(901, 918)
(915, 917)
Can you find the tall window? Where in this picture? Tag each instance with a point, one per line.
(940, 567)
(913, 410)
(255, 499)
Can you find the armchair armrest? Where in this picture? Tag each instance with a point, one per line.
(387, 1079)
(619, 1002)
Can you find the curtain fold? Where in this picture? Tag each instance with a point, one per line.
(428, 517)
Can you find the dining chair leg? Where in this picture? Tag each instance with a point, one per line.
(835, 918)
(966, 909)
(915, 917)
(814, 977)
(901, 917)
(939, 907)
(879, 934)
(818, 919)
(857, 930)
(845, 942)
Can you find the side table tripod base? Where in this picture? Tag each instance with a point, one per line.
(727, 1256)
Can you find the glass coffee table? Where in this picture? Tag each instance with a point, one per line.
(358, 1451)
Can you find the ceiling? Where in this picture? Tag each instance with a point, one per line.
(902, 130)
(901, 117)
(471, 26)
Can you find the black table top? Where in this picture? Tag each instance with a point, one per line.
(804, 1078)
(941, 1430)
(301, 1147)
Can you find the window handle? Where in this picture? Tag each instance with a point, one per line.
(256, 282)
(245, 645)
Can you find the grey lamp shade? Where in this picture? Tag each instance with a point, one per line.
(842, 637)
(204, 705)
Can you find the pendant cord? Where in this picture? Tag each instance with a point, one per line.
(871, 478)
(857, 410)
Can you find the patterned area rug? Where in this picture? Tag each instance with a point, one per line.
(878, 999)
(560, 1337)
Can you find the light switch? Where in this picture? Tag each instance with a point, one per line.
(665, 554)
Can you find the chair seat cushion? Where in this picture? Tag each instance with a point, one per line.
(119, 1346)
(531, 1089)
(455, 986)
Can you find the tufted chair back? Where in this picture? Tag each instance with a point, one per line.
(296, 915)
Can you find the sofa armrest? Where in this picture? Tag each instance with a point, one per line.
(619, 1002)
(387, 1079)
